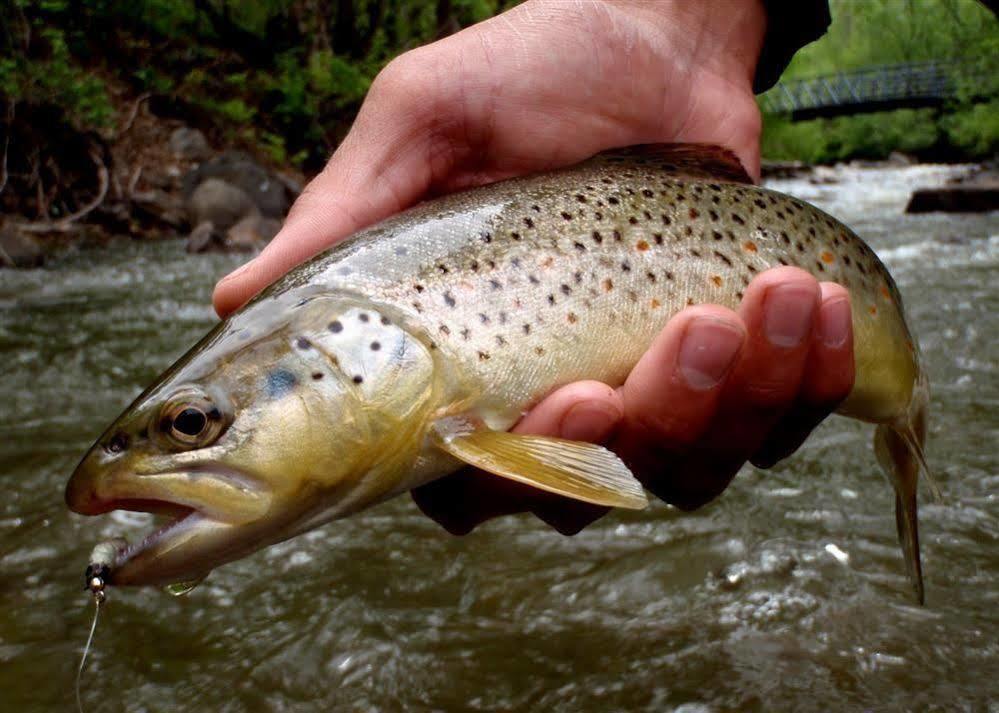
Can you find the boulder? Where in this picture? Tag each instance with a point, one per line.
(251, 233)
(19, 249)
(203, 238)
(270, 194)
(976, 192)
(189, 144)
(219, 202)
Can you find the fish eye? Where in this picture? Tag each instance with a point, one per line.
(191, 421)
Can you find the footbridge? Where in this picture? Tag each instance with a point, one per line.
(871, 89)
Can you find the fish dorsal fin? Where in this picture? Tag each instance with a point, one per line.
(702, 161)
(581, 471)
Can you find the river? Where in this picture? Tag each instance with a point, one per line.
(787, 593)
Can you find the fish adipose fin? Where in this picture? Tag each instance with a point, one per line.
(899, 447)
(581, 471)
(700, 161)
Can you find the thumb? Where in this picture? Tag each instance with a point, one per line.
(380, 168)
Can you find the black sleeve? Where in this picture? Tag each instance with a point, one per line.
(791, 24)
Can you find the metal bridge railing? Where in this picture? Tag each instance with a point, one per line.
(931, 80)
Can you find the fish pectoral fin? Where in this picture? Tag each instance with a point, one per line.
(581, 471)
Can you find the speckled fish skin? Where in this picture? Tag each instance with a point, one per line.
(536, 282)
(479, 304)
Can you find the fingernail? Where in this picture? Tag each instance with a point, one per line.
(787, 317)
(835, 322)
(709, 349)
(590, 421)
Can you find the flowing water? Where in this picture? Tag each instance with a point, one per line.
(788, 592)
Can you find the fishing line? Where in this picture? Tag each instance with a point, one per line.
(102, 561)
(98, 598)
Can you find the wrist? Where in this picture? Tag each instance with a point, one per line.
(723, 37)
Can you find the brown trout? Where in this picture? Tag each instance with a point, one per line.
(407, 351)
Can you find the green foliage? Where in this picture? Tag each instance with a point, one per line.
(283, 76)
(870, 33)
(869, 136)
(975, 129)
(55, 78)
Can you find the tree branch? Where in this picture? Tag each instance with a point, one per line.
(66, 223)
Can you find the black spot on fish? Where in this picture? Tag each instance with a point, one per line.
(486, 237)
(528, 222)
(533, 280)
(613, 200)
(515, 235)
(597, 237)
(625, 266)
(579, 246)
(483, 356)
(375, 346)
(385, 320)
(551, 299)
(358, 379)
(527, 328)
(565, 289)
(449, 299)
(495, 284)
(418, 287)
(716, 235)
(317, 375)
(723, 257)
(280, 382)
(363, 317)
(336, 326)
(566, 216)
(484, 318)
(738, 219)
(303, 343)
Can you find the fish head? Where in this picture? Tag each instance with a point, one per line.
(295, 411)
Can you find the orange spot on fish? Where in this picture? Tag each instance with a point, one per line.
(642, 245)
(750, 246)
(885, 293)
(717, 280)
(827, 256)
(608, 285)
(656, 304)
(571, 317)
(872, 309)
(548, 262)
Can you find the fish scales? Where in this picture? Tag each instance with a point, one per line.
(542, 281)
(407, 351)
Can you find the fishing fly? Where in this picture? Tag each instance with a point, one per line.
(96, 578)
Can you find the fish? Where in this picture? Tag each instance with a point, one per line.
(408, 351)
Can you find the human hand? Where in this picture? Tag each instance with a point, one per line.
(545, 85)
(716, 388)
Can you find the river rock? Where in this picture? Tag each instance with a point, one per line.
(977, 193)
(203, 238)
(190, 144)
(251, 233)
(19, 249)
(219, 202)
(271, 195)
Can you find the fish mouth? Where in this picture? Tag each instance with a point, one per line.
(174, 518)
(204, 510)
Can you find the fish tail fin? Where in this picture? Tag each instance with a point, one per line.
(899, 447)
